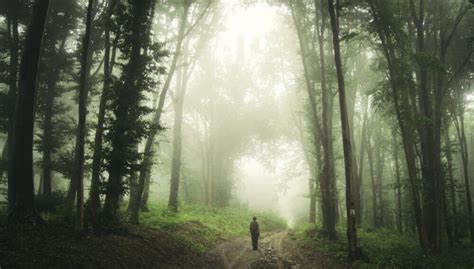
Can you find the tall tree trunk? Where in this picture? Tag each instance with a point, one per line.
(177, 138)
(94, 194)
(328, 194)
(402, 108)
(398, 186)
(379, 184)
(430, 147)
(358, 187)
(346, 137)
(148, 153)
(372, 179)
(12, 92)
(48, 134)
(465, 169)
(136, 200)
(328, 180)
(312, 198)
(22, 162)
(81, 133)
(4, 159)
(452, 187)
(146, 194)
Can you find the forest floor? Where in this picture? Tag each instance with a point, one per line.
(55, 245)
(211, 237)
(277, 249)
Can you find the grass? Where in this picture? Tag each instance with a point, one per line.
(202, 226)
(384, 248)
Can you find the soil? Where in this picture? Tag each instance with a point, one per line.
(277, 249)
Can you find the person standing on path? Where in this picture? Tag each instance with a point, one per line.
(254, 233)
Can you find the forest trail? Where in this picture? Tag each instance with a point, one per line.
(276, 250)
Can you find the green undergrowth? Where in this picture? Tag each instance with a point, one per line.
(202, 226)
(384, 248)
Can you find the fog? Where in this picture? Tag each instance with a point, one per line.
(246, 52)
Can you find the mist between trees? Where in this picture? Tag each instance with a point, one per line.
(353, 113)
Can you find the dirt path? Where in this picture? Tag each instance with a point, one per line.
(276, 250)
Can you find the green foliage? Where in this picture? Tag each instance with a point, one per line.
(127, 125)
(385, 248)
(201, 226)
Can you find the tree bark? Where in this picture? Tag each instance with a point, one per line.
(94, 194)
(83, 92)
(116, 169)
(403, 108)
(372, 180)
(429, 141)
(181, 84)
(22, 161)
(319, 133)
(346, 138)
(379, 184)
(328, 179)
(398, 186)
(48, 132)
(452, 187)
(358, 187)
(465, 169)
(148, 153)
(12, 92)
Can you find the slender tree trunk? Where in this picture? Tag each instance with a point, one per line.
(146, 194)
(48, 134)
(379, 184)
(147, 160)
(177, 139)
(452, 187)
(94, 194)
(430, 144)
(320, 133)
(328, 179)
(465, 170)
(312, 195)
(402, 108)
(4, 159)
(372, 179)
(398, 186)
(346, 137)
(358, 187)
(12, 93)
(81, 133)
(22, 161)
(136, 201)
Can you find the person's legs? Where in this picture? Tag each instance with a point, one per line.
(254, 242)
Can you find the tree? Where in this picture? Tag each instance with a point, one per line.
(56, 65)
(97, 157)
(188, 64)
(419, 104)
(346, 137)
(81, 133)
(13, 10)
(128, 127)
(322, 125)
(23, 207)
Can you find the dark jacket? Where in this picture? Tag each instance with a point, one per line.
(254, 228)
